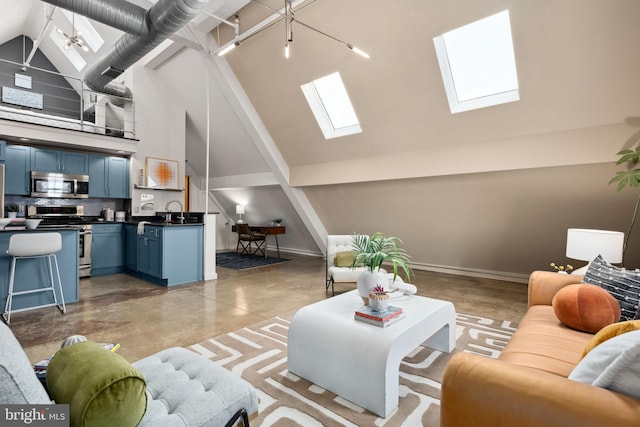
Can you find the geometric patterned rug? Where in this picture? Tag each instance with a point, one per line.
(258, 354)
(245, 262)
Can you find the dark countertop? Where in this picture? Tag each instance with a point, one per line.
(41, 228)
(161, 224)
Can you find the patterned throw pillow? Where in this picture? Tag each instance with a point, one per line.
(623, 284)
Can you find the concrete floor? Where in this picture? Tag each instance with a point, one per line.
(146, 318)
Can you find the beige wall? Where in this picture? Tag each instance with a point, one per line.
(492, 190)
(495, 222)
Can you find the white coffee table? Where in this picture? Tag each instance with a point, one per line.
(361, 362)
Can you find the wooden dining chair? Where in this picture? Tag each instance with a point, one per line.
(246, 238)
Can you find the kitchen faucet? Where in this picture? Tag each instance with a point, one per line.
(181, 217)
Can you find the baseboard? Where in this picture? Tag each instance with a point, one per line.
(460, 271)
(297, 252)
(473, 272)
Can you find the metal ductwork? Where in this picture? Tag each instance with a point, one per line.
(119, 14)
(161, 21)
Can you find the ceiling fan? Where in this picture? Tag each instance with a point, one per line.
(75, 37)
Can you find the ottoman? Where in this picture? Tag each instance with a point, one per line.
(186, 389)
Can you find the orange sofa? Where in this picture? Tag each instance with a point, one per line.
(527, 386)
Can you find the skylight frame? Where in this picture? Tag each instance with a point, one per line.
(322, 108)
(509, 92)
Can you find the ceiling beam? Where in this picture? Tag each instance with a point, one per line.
(38, 40)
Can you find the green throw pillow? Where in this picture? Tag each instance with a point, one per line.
(345, 258)
(100, 387)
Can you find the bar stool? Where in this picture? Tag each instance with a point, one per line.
(34, 245)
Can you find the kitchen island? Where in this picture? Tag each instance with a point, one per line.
(35, 271)
(167, 254)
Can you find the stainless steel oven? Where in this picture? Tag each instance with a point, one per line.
(60, 216)
(84, 250)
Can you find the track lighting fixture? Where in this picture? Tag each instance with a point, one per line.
(288, 15)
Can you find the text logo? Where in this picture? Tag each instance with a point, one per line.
(53, 415)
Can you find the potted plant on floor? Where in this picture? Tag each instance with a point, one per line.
(12, 210)
(372, 252)
(630, 177)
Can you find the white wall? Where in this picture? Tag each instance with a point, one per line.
(160, 128)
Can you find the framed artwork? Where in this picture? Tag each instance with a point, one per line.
(162, 173)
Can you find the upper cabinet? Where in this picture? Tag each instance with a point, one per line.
(108, 177)
(69, 162)
(17, 170)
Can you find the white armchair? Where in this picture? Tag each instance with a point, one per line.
(342, 274)
(345, 274)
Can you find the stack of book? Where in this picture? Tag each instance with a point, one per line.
(379, 318)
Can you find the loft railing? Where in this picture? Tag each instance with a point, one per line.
(35, 95)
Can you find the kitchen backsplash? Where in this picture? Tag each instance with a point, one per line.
(92, 206)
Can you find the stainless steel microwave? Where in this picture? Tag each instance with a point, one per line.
(46, 184)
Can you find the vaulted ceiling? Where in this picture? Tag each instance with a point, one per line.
(577, 64)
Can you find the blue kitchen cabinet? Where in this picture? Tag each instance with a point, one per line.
(131, 247)
(118, 177)
(18, 170)
(108, 177)
(150, 251)
(59, 161)
(171, 255)
(3, 151)
(108, 250)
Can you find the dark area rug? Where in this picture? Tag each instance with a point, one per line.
(245, 262)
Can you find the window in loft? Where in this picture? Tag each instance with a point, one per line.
(85, 28)
(71, 53)
(478, 64)
(330, 104)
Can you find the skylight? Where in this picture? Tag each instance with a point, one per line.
(71, 53)
(84, 27)
(478, 64)
(330, 104)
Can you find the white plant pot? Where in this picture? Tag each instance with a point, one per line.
(367, 280)
(379, 304)
(12, 214)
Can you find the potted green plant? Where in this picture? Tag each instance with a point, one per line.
(628, 178)
(12, 210)
(373, 251)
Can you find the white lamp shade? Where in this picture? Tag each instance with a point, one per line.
(239, 209)
(586, 244)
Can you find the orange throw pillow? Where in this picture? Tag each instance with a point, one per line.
(609, 332)
(584, 307)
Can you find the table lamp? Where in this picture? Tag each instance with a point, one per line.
(240, 211)
(586, 245)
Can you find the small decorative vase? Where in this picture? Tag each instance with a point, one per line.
(367, 280)
(379, 301)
